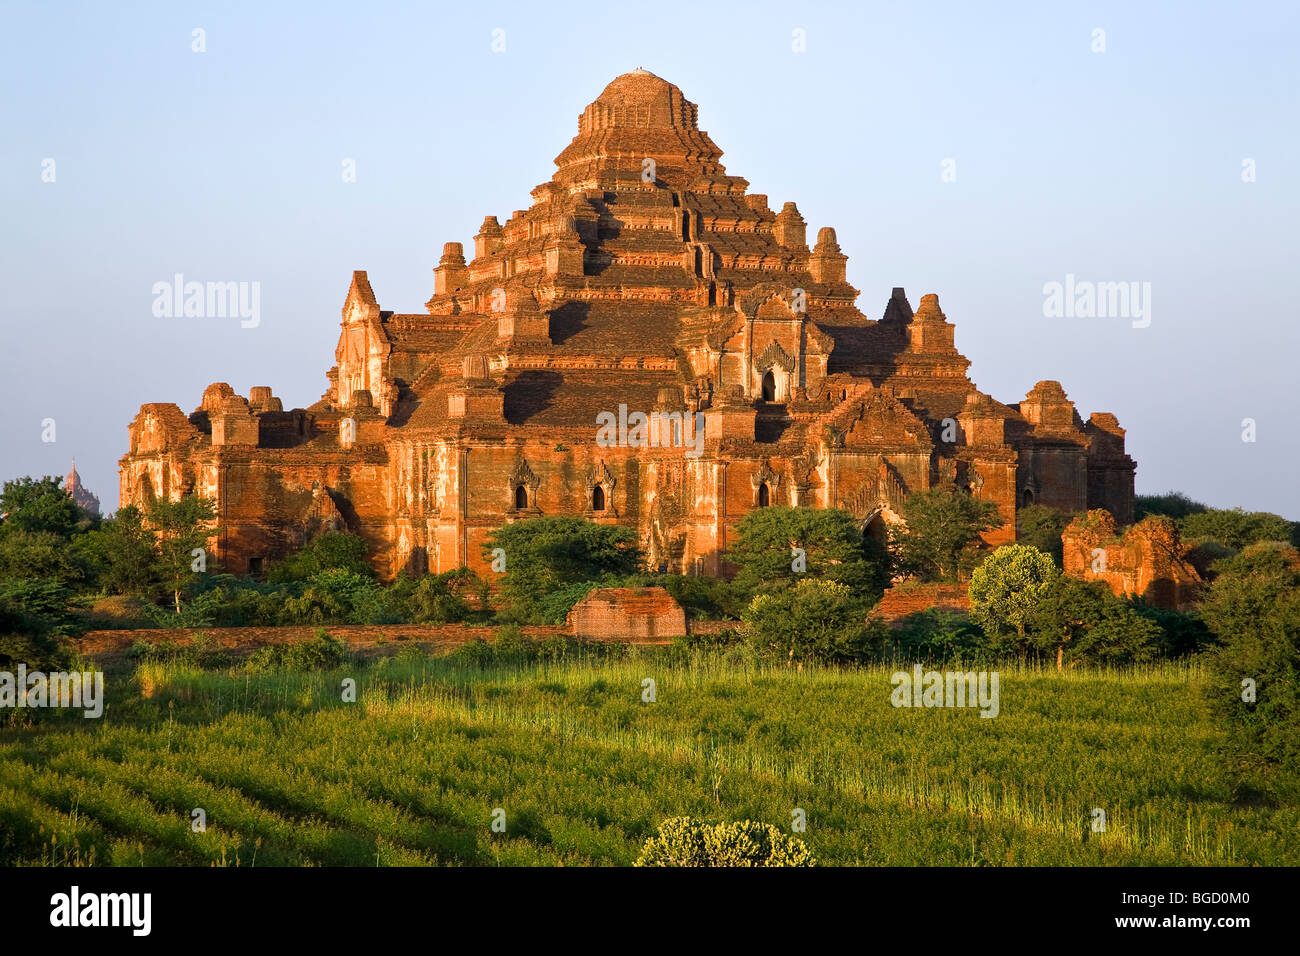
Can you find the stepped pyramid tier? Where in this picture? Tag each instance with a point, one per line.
(649, 344)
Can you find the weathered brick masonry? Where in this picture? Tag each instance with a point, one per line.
(644, 275)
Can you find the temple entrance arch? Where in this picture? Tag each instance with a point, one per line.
(769, 386)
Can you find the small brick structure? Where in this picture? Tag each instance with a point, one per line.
(897, 604)
(640, 614)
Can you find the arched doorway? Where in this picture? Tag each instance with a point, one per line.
(521, 497)
(769, 386)
(598, 498)
(764, 496)
(1028, 498)
(876, 529)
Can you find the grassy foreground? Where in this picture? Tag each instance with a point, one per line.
(287, 773)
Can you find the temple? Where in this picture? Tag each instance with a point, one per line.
(645, 282)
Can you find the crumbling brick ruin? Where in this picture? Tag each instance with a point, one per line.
(642, 278)
(1149, 561)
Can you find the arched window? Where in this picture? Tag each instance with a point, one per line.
(598, 498)
(769, 387)
(521, 497)
(764, 496)
(1028, 498)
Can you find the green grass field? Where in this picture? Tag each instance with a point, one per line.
(289, 774)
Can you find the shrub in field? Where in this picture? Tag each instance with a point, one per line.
(320, 653)
(685, 841)
(1253, 607)
(323, 652)
(813, 621)
(474, 653)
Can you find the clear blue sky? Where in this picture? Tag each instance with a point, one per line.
(226, 165)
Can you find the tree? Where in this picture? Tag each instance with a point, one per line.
(832, 547)
(1235, 528)
(1253, 607)
(685, 841)
(124, 554)
(1008, 586)
(183, 528)
(942, 535)
(1041, 527)
(1077, 621)
(39, 505)
(543, 554)
(815, 620)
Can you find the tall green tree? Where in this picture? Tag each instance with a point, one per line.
(184, 527)
(124, 554)
(942, 535)
(779, 546)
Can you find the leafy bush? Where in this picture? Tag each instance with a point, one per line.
(685, 841)
(813, 621)
(322, 652)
